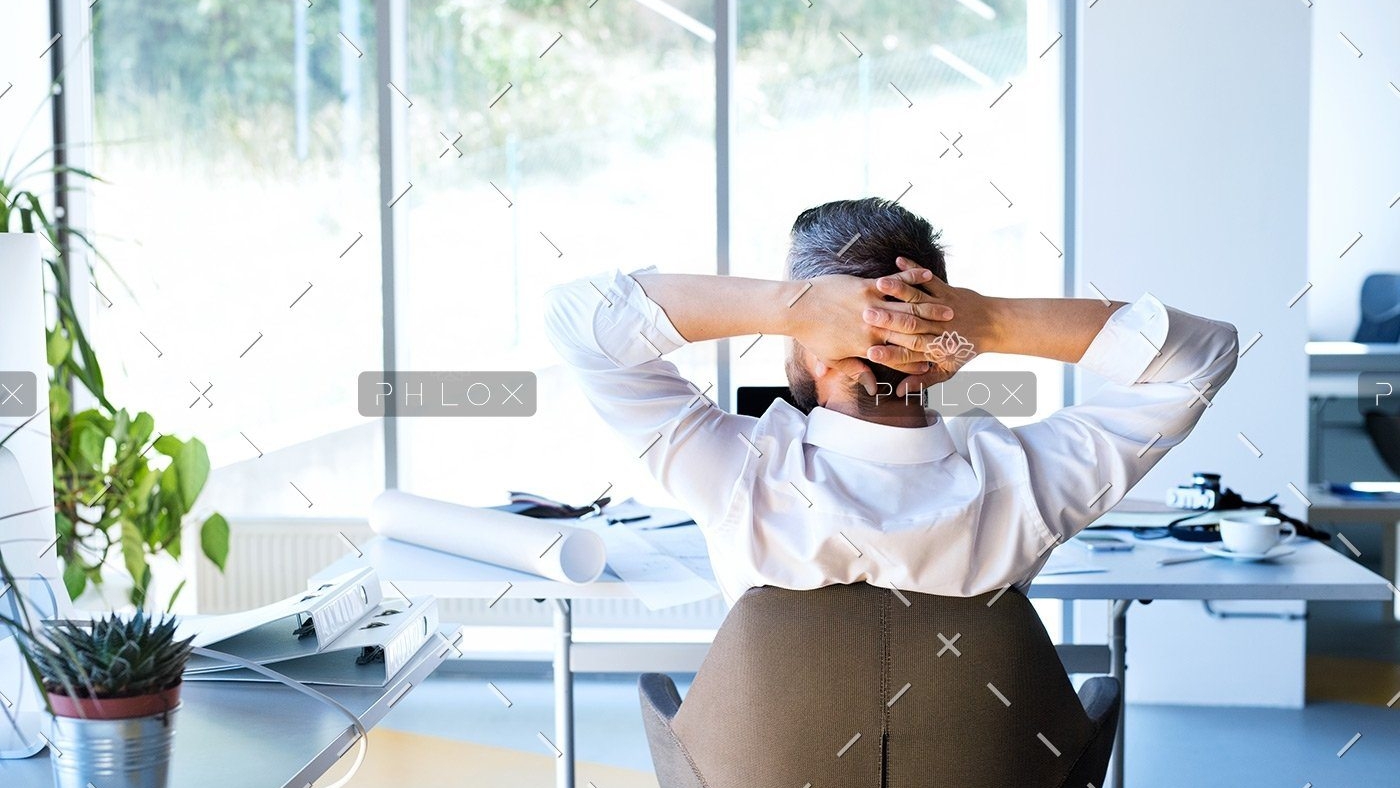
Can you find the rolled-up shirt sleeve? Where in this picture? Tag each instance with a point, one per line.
(1162, 367)
(613, 336)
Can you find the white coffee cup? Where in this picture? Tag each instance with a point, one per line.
(1254, 534)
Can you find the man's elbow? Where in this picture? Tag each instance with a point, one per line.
(1228, 353)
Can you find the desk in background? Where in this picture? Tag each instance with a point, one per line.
(1314, 572)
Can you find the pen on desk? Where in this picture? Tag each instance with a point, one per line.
(1183, 559)
(617, 520)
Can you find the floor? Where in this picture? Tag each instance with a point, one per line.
(457, 730)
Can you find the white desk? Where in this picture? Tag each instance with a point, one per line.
(1330, 509)
(1314, 572)
(234, 734)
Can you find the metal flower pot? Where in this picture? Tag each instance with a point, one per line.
(130, 752)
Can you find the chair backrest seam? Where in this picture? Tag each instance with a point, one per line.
(680, 745)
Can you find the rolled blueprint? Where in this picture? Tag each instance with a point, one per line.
(544, 547)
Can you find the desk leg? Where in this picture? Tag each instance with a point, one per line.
(1390, 563)
(1118, 668)
(563, 693)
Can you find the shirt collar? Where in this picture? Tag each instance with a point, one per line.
(867, 440)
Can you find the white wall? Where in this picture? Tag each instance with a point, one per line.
(1355, 167)
(1192, 172)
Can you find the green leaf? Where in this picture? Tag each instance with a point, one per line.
(140, 430)
(192, 466)
(62, 525)
(120, 426)
(213, 539)
(74, 579)
(169, 445)
(88, 445)
(59, 402)
(58, 348)
(133, 550)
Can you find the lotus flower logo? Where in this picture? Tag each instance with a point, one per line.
(949, 346)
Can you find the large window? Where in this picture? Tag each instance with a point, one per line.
(546, 141)
(949, 107)
(238, 208)
(241, 210)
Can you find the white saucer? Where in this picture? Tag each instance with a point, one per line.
(1277, 551)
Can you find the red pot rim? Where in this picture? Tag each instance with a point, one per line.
(115, 708)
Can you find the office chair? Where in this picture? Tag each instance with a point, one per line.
(847, 686)
(1380, 309)
(1384, 430)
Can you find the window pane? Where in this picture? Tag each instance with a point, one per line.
(237, 143)
(866, 98)
(547, 141)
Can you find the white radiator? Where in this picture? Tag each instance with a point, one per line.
(270, 559)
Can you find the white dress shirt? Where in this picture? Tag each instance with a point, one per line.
(960, 507)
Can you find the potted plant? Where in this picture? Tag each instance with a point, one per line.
(110, 497)
(112, 686)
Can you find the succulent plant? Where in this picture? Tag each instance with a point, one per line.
(111, 657)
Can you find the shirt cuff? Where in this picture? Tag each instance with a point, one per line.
(1129, 341)
(634, 317)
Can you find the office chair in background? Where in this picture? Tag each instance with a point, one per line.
(847, 685)
(1380, 309)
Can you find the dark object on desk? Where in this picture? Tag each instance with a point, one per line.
(1380, 309)
(1384, 430)
(755, 400)
(531, 505)
(779, 680)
